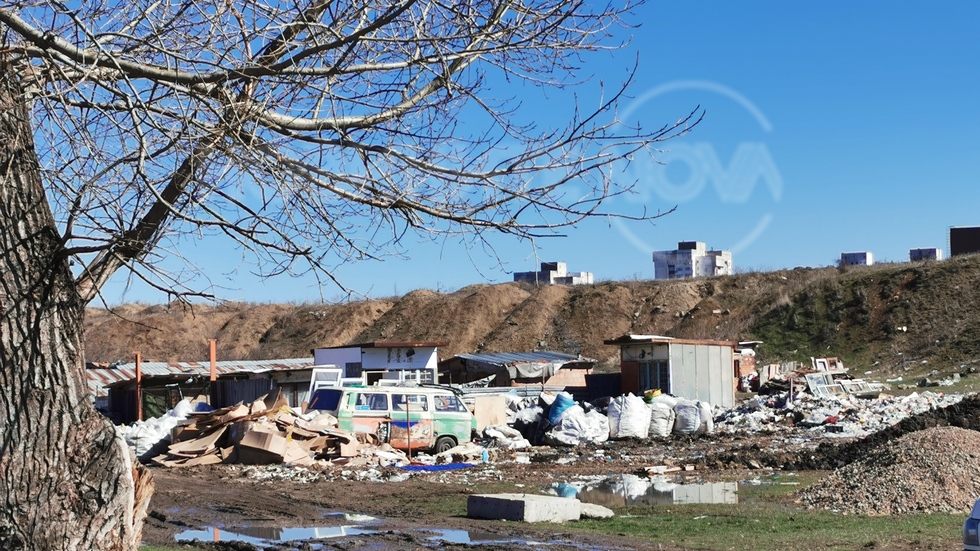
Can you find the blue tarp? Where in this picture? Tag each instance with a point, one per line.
(562, 403)
(433, 468)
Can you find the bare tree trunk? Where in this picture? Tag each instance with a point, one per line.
(67, 480)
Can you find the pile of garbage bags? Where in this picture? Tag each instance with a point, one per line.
(554, 420)
(558, 420)
(633, 417)
(141, 436)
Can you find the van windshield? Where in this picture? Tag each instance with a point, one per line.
(325, 399)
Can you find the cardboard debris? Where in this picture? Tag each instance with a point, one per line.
(263, 432)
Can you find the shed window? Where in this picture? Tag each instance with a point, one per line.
(655, 375)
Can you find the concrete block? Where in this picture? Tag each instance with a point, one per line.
(523, 507)
(591, 510)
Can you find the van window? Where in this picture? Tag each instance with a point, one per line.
(449, 403)
(415, 402)
(371, 401)
(325, 399)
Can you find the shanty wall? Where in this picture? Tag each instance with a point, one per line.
(703, 372)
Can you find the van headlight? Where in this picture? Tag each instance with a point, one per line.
(970, 536)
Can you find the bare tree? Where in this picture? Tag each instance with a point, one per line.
(311, 134)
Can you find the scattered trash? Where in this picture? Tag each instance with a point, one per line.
(856, 416)
(267, 432)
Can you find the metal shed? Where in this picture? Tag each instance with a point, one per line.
(694, 369)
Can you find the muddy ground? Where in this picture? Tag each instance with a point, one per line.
(257, 500)
(231, 497)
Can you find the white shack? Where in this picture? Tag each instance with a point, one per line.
(693, 369)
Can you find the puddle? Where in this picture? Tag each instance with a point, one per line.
(630, 489)
(465, 537)
(267, 535)
(261, 536)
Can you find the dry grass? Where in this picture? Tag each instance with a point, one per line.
(926, 312)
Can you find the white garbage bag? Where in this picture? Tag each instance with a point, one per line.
(613, 413)
(576, 427)
(661, 420)
(143, 435)
(507, 437)
(687, 417)
(666, 399)
(707, 418)
(529, 416)
(632, 417)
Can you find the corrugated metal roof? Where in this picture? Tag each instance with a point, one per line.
(658, 339)
(389, 344)
(99, 377)
(504, 358)
(631, 338)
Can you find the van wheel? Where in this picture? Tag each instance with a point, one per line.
(444, 443)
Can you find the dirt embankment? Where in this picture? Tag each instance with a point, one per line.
(890, 314)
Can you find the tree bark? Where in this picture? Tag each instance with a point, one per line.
(67, 479)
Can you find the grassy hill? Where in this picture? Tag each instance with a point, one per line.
(887, 318)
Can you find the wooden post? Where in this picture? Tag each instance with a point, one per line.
(408, 426)
(213, 347)
(139, 383)
(213, 353)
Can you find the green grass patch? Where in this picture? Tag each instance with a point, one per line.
(776, 528)
(766, 518)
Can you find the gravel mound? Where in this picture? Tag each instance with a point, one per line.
(935, 470)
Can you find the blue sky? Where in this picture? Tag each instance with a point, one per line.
(862, 119)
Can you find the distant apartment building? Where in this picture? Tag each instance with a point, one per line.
(926, 253)
(691, 259)
(859, 258)
(554, 273)
(964, 240)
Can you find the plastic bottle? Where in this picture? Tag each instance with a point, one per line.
(485, 456)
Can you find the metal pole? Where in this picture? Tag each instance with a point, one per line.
(139, 383)
(408, 425)
(213, 350)
(213, 347)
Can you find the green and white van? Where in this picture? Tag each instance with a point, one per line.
(408, 418)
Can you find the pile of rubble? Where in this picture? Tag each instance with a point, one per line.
(935, 470)
(830, 416)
